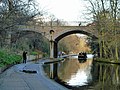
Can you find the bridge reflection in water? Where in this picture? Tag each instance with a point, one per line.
(89, 75)
(75, 73)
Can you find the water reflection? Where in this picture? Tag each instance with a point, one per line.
(106, 75)
(75, 73)
(89, 75)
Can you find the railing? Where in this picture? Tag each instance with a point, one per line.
(55, 23)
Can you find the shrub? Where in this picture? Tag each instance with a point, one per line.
(7, 58)
(34, 53)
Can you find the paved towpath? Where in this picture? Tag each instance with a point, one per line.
(15, 79)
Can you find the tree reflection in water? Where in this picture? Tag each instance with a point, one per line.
(75, 73)
(106, 75)
(89, 75)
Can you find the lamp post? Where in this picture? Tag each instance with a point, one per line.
(51, 44)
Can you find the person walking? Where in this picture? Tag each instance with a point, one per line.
(24, 56)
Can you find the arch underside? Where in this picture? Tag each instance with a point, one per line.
(74, 32)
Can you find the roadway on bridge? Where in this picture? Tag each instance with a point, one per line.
(15, 79)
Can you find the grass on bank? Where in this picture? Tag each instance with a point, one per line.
(7, 58)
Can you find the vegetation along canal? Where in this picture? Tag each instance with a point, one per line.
(88, 75)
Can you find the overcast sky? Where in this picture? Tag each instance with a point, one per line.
(68, 10)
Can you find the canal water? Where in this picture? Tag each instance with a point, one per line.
(89, 75)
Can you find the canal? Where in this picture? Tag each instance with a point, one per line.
(88, 75)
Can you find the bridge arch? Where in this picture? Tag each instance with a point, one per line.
(57, 39)
(30, 38)
(74, 32)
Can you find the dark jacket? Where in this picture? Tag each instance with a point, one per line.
(24, 55)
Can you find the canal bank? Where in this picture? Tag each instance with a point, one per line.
(107, 61)
(33, 79)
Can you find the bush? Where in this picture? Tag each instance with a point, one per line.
(34, 53)
(6, 58)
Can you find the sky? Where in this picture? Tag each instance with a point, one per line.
(67, 10)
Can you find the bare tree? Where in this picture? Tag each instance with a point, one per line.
(14, 13)
(106, 16)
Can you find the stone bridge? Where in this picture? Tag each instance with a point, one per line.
(60, 31)
(56, 33)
